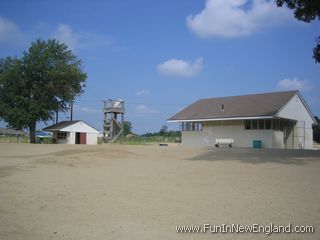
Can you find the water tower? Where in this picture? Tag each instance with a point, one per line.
(113, 120)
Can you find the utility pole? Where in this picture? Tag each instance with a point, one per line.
(71, 113)
(57, 116)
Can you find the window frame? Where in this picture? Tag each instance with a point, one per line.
(62, 135)
(192, 126)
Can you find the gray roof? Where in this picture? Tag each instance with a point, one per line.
(256, 105)
(58, 126)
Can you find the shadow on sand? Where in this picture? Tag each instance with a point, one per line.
(258, 156)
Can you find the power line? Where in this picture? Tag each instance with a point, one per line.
(138, 103)
(159, 104)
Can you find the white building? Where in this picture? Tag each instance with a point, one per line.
(73, 132)
(277, 120)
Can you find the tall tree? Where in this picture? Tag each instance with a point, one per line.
(164, 130)
(306, 11)
(46, 79)
(127, 128)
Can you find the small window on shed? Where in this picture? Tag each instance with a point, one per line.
(62, 135)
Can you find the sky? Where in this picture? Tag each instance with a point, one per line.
(160, 56)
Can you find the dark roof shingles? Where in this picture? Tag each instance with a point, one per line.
(60, 125)
(265, 104)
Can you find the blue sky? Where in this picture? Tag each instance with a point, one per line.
(160, 56)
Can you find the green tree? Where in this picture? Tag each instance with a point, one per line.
(306, 11)
(316, 130)
(46, 79)
(127, 128)
(164, 130)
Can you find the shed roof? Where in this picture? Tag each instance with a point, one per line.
(60, 125)
(63, 125)
(245, 106)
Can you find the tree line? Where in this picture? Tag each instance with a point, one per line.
(48, 77)
(163, 132)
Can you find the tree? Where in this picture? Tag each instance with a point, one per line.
(306, 11)
(127, 128)
(46, 79)
(316, 130)
(164, 130)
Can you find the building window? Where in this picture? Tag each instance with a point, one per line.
(62, 135)
(247, 124)
(192, 126)
(267, 123)
(275, 124)
(261, 124)
(254, 124)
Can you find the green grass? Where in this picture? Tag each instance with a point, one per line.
(14, 139)
(137, 140)
(23, 139)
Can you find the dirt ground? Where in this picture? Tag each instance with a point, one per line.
(144, 192)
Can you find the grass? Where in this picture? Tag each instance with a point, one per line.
(137, 140)
(14, 139)
(23, 139)
(128, 140)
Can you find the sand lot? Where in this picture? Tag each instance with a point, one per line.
(144, 192)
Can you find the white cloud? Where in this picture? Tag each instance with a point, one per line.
(180, 68)
(11, 33)
(65, 34)
(143, 109)
(294, 84)
(235, 18)
(8, 30)
(142, 93)
(80, 39)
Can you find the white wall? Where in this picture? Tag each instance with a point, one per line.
(296, 110)
(92, 138)
(278, 139)
(231, 129)
(80, 127)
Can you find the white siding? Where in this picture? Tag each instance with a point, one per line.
(80, 127)
(71, 138)
(296, 110)
(231, 129)
(92, 138)
(196, 139)
(277, 139)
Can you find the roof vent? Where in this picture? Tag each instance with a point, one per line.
(222, 107)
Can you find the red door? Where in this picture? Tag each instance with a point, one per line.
(83, 138)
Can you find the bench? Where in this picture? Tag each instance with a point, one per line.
(224, 142)
(163, 144)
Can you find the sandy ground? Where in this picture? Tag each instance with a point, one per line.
(144, 192)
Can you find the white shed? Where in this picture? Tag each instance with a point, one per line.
(275, 120)
(73, 132)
